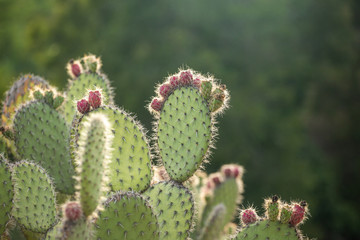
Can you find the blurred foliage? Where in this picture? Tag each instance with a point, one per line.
(292, 67)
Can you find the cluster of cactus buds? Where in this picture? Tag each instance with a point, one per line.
(89, 171)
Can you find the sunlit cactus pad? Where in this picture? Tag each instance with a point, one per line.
(126, 216)
(174, 206)
(184, 132)
(34, 197)
(20, 92)
(268, 230)
(6, 194)
(42, 135)
(130, 164)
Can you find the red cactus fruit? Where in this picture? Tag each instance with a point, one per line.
(197, 82)
(75, 69)
(228, 172)
(216, 180)
(236, 172)
(248, 216)
(156, 104)
(174, 81)
(73, 211)
(298, 213)
(165, 90)
(95, 99)
(83, 106)
(186, 78)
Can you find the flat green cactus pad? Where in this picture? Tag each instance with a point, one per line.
(34, 197)
(93, 157)
(226, 193)
(79, 230)
(130, 164)
(126, 216)
(19, 93)
(268, 230)
(213, 228)
(174, 206)
(6, 194)
(79, 87)
(184, 132)
(41, 135)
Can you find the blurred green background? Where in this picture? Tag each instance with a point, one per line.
(292, 67)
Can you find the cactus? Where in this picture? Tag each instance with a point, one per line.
(130, 164)
(86, 74)
(34, 197)
(93, 157)
(126, 216)
(41, 135)
(99, 161)
(185, 123)
(6, 194)
(271, 226)
(174, 206)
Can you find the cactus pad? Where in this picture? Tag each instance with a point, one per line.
(213, 228)
(174, 206)
(93, 157)
(20, 92)
(184, 132)
(34, 197)
(41, 135)
(79, 87)
(126, 216)
(270, 230)
(69, 230)
(6, 194)
(130, 164)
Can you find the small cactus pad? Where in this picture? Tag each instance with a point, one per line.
(93, 158)
(269, 230)
(225, 187)
(19, 93)
(213, 228)
(174, 206)
(79, 87)
(130, 164)
(6, 194)
(69, 230)
(41, 135)
(34, 197)
(184, 132)
(126, 216)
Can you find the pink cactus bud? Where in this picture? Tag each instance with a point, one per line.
(165, 90)
(75, 69)
(197, 82)
(95, 99)
(248, 216)
(73, 211)
(298, 214)
(216, 180)
(83, 106)
(174, 81)
(228, 172)
(186, 78)
(156, 104)
(236, 172)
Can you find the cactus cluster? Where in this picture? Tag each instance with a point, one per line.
(76, 166)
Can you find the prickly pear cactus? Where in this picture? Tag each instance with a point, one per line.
(130, 164)
(126, 216)
(85, 75)
(93, 158)
(42, 135)
(185, 124)
(34, 197)
(213, 227)
(273, 226)
(20, 92)
(6, 194)
(174, 206)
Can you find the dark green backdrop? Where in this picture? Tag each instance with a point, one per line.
(292, 68)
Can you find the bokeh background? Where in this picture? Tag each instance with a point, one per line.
(292, 67)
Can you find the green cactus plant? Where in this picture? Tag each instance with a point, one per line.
(89, 171)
